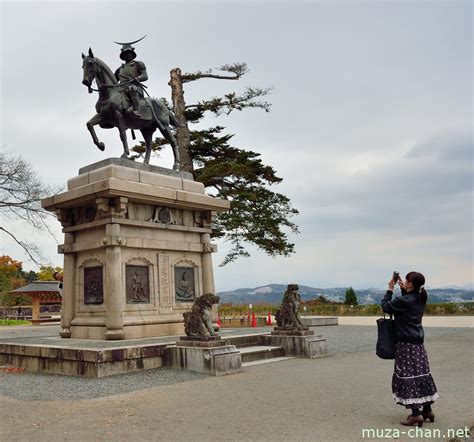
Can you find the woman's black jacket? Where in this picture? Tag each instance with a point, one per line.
(408, 312)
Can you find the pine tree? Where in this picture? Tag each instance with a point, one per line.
(258, 216)
(351, 297)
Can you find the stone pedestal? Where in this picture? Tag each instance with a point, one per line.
(72, 358)
(210, 356)
(299, 343)
(137, 249)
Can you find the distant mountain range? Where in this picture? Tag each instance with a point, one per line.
(468, 286)
(272, 294)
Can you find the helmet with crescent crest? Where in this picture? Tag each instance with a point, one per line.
(127, 47)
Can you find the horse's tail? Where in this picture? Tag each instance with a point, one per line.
(164, 114)
(174, 121)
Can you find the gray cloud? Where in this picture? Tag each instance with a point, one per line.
(429, 189)
(370, 105)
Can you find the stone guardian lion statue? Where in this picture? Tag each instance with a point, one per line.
(287, 317)
(198, 322)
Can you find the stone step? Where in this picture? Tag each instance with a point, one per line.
(259, 352)
(247, 339)
(266, 361)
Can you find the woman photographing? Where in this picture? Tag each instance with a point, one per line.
(412, 383)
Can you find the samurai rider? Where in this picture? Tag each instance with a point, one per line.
(131, 74)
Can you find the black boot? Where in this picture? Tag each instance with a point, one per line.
(426, 413)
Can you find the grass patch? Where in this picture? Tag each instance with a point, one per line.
(7, 322)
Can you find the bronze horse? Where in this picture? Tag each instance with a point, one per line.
(112, 110)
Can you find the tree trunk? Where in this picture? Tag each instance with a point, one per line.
(182, 133)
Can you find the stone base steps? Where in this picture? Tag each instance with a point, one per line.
(255, 349)
(98, 358)
(260, 352)
(266, 361)
(261, 348)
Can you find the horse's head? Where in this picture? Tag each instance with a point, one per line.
(88, 69)
(94, 68)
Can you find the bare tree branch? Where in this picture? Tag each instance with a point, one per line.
(30, 249)
(21, 192)
(236, 69)
(190, 77)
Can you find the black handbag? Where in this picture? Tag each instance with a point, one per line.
(386, 338)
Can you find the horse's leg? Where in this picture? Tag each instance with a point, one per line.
(123, 134)
(174, 145)
(166, 132)
(94, 121)
(147, 136)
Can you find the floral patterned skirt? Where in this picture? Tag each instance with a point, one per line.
(412, 383)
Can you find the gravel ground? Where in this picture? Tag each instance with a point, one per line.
(355, 338)
(328, 399)
(45, 387)
(48, 387)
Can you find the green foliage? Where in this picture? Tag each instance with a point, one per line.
(314, 307)
(235, 69)
(10, 322)
(29, 277)
(351, 297)
(321, 299)
(446, 309)
(258, 215)
(46, 273)
(9, 271)
(372, 309)
(239, 310)
(11, 278)
(228, 103)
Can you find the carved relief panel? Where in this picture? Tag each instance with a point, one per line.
(137, 288)
(184, 280)
(160, 215)
(93, 285)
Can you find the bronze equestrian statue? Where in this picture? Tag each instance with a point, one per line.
(122, 103)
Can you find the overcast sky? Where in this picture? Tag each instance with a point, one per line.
(370, 128)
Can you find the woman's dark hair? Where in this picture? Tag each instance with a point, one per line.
(418, 281)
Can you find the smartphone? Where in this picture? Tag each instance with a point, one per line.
(396, 277)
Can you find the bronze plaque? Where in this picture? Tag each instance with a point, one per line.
(138, 284)
(93, 285)
(184, 283)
